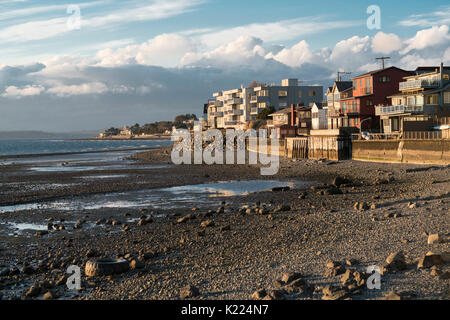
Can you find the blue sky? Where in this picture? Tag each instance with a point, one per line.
(134, 53)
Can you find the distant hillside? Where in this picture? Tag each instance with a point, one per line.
(12, 135)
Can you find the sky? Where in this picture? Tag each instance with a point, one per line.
(88, 65)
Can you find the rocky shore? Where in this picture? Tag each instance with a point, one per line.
(310, 243)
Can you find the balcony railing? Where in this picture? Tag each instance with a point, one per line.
(379, 110)
(234, 101)
(419, 84)
(234, 112)
(254, 111)
(216, 114)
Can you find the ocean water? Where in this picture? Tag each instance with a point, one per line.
(21, 147)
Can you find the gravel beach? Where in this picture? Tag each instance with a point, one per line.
(313, 241)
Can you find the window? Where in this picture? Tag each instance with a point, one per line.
(432, 99)
(384, 79)
(282, 93)
(261, 105)
(369, 102)
(300, 94)
(445, 76)
(262, 93)
(447, 97)
(355, 84)
(312, 93)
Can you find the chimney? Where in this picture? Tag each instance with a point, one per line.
(293, 115)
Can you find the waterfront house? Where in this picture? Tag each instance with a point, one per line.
(339, 90)
(370, 89)
(423, 96)
(319, 119)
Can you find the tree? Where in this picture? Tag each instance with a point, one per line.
(264, 114)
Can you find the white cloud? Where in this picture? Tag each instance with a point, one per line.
(428, 38)
(386, 43)
(164, 50)
(295, 56)
(29, 90)
(79, 89)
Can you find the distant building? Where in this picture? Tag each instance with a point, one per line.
(422, 96)
(234, 108)
(126, 131)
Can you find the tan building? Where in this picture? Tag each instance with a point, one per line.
(235, 108)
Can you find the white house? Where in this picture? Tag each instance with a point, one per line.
(319, 119)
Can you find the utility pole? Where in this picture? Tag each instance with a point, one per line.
(339, 74)
(383, 59)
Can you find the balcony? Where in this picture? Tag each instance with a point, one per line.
(215, 103)
(234, 101)
(254, 111)
(379, 111)
(419, 84)
(216, 114)
(231, 123)
(234, 112)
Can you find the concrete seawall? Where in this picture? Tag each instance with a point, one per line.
(403, 151)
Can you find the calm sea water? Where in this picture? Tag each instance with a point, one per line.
(19, 147)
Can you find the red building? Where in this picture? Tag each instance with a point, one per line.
(370, 89)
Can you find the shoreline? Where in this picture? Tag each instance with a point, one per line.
(300, 230)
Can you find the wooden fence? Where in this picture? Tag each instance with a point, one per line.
(296, 148)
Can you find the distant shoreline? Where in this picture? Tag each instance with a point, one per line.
(162, 137)
(33, 155)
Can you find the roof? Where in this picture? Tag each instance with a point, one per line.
(318, 104)
(429, 69)
(371, 73)
(343, 85)
(282, 111)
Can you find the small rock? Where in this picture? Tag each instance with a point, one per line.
(258, 294)
(33, 291)
(48, 296)
(189, 292)
(435, 238)
(396, 262)
(429, 260)
(392, 295)
(137, 264)
(289, 277)
(207, 223)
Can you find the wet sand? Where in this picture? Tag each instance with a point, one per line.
(239, 252)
